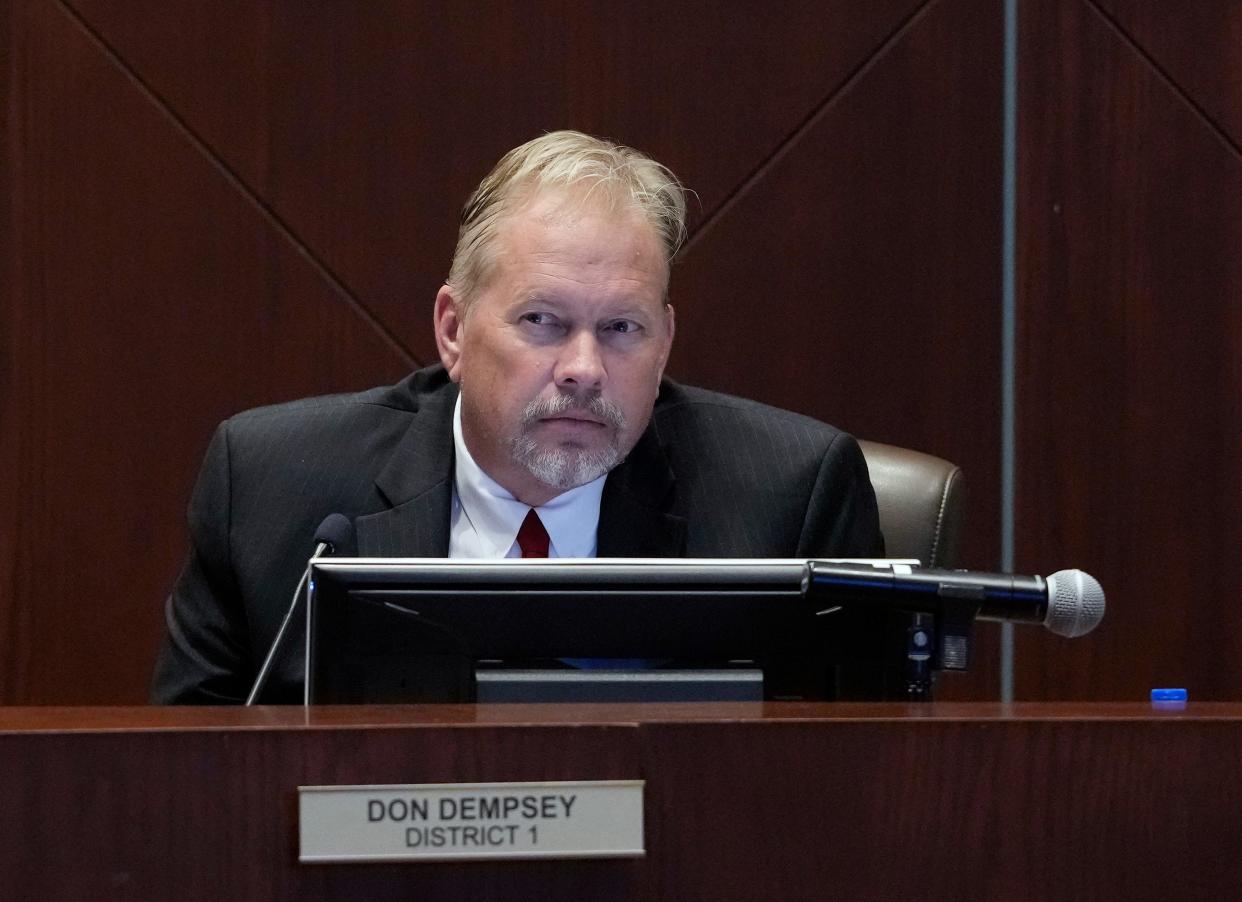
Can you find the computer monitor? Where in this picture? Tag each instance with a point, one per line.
(422, 630)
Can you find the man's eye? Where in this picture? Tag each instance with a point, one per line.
(538, 319)
(624, 326)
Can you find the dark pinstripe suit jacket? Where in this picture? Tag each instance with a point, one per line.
(713, 476)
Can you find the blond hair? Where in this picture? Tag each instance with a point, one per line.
(563, 159)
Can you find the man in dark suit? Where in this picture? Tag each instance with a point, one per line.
(548, 430)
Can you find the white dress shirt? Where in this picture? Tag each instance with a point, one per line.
(486, 517)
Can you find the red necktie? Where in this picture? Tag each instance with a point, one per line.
(532, 538)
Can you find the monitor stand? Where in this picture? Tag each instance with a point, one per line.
(618, 685)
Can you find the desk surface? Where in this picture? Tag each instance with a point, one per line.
(100, 719)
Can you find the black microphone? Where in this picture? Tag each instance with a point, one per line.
(333, 533)
(1069, 602)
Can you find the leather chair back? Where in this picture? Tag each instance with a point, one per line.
(920, 499)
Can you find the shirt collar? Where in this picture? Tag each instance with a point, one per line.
(571, 518)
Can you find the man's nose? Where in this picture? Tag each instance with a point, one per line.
(581, 365)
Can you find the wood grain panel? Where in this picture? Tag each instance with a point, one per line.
(152, 300)
(1130, 441)
(366, 125)
(1198, 45)
(791, 802)
(12, 613)
(858, 279)
(983, 810)
(215, 814)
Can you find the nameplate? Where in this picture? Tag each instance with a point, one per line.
(471, 821)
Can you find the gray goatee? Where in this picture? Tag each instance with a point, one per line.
(566, 466)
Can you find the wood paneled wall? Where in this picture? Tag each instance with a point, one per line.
(1130, 347)
(209, 206)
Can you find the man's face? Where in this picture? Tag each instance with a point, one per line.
(560, 354)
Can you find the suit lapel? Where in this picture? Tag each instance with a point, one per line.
(418, 482)
(633, 517)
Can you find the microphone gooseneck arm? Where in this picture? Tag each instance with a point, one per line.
(333, 533)
(261, 680)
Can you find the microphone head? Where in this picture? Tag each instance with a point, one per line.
(335, 531)
(1075, 603)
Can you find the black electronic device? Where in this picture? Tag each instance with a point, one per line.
(422, 630)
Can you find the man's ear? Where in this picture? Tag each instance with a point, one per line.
(670, 322)
(448, 321)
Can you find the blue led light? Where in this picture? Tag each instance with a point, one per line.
(1168, 695)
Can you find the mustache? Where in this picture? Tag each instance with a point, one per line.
(593, 405)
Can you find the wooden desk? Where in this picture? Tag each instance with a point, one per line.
(743, 801)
